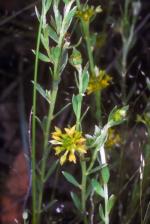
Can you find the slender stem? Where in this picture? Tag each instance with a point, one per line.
(105, 186)
(54, 91)
(92, 69)
(83, 193)
(94, 156)
(98, 107)
(106, 204)
(33, 153)
(82, 160)
(45, 147)
(88, 45)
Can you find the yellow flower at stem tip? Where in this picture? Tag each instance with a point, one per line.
(98, 82)
(67, 144)
(86, 13)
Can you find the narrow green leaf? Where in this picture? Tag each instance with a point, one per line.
(68, 19)
(98, 188)
(111, 203)
(71, 179)
(45, 42)
(98, 168)
(101, 212)
(76, 200)
(76, 100)
(67, 7)
(42, 57)
(51, 170)
(41, 91)
(84, 114)
(44, 123)
(55, 53)
(48, 5)
(100, 137)
(89, 190)
(61, 110)
(58, 17)
(53, 35)
(38, 121)
(105, 174)
(85, 81)
(37, 13)
(64, 60)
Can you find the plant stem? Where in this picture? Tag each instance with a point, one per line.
(92, 69)
(106, 203)
(33, 153)
(83, 193)
(98, 107)
(45, 147)
(56, 75)
(88, 45)
(105, 186)
(82, 160)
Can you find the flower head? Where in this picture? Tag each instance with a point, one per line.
(113, 138)
(119, 115)
(98, 82)
(87, 12)
(68, 144)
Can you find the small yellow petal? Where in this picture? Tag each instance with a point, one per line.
(82, 149)
(58, 131)
(72, 157)
(81, 140)
(56, 137)
(70, 131)
(58, 150)
(63, 158)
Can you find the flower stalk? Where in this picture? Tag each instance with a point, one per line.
(33, 153)
(105, 185)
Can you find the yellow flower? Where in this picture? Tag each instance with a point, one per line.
(113, 138)
(98, 82)
(86, 13)
(68, 144)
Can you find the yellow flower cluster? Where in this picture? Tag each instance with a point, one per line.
(113, 138)
(86, 13)
(99, 82)
(68, 143)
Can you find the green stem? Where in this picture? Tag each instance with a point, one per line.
(45, 147)
(54, 91)
(106, 203)
(105, 186)
(98, 107)
(82, 161)
(83, 193)
(88, 45)
(86, 31)
(92, 161)
(33, 153)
